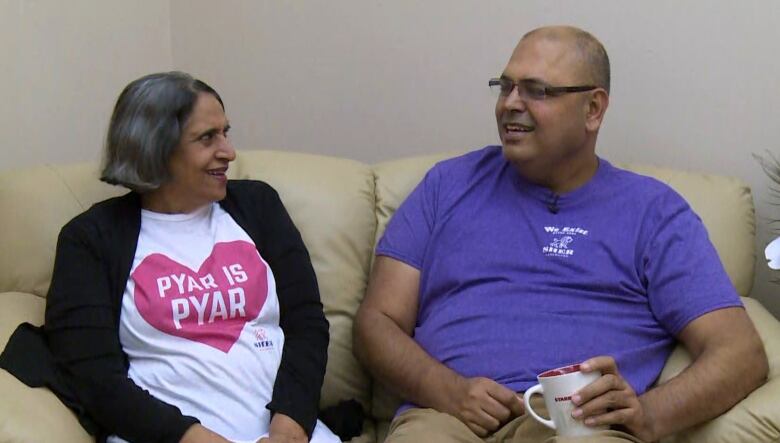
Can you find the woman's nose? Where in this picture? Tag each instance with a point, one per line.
(226, 150)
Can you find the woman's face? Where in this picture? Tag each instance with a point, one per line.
(199, 164)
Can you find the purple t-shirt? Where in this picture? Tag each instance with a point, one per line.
(514, 282)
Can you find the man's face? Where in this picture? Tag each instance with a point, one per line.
(543, 133)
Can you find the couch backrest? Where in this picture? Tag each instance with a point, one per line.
(341, 207)
(36, 203)
(331, 201)
(724, 204)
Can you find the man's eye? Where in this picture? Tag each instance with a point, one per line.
(506, 86)
(206, 137)
(536, 91)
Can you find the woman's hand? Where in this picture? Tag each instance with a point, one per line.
(198, 433)
(284, 430)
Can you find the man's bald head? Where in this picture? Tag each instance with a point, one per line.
(595, 61)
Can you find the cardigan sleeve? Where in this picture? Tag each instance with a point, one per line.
(302, 369)
(82, 333)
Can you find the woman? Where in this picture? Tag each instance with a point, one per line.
(186, 310)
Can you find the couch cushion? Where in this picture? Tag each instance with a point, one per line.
(757, 417)
(30, 415)
(331, 201)
(35, 415)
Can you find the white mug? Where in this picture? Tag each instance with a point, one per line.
(557, 386)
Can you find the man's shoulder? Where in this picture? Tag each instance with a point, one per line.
(640, 187)
(464, 168)
(484, 157)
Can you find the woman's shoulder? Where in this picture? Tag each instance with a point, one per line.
(107, 213)
(252, 193)
(249, 187)
(257, 208)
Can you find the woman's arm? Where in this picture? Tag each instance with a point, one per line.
(296, 391)
(83, 335)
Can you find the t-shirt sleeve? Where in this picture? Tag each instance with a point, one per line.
(684, 276)
(409, 230)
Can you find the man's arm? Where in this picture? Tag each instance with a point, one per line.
(383, 342)
(729, 362)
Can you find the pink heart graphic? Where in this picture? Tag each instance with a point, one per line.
(210, 306)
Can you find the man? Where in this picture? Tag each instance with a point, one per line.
(512, 260)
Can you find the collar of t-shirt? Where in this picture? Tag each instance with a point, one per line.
(556, 202)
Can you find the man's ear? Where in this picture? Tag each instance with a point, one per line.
(596, 108)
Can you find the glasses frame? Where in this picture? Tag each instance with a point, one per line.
(549, 91)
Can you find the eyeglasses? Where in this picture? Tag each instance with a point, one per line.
(533, 89)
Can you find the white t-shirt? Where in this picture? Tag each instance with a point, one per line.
(200, 320)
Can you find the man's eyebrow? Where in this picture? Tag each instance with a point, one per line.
(525, 80)
(535, 81)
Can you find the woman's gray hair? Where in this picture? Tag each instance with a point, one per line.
(146, 128)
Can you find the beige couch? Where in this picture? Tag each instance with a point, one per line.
(341, 207)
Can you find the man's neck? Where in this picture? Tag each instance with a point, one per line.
(563, 177)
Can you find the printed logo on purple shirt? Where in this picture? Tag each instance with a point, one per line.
(561, 240)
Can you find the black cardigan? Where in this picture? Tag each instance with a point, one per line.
(86, 366)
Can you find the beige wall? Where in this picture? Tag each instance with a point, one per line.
(63, 65)
(695, 83)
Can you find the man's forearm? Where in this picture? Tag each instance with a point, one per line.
(397, 360)
(719, 378)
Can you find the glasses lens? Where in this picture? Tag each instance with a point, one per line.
(506, 86)
(534, 90)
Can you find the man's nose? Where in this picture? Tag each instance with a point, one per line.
(515, 100)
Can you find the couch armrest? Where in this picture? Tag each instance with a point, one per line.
(757, 417)
(30, 415)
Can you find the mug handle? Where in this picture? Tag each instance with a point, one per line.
(537, 389)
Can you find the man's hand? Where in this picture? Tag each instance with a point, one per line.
(384, 326)
(484, 405)
(610, 400)
(284, 429)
